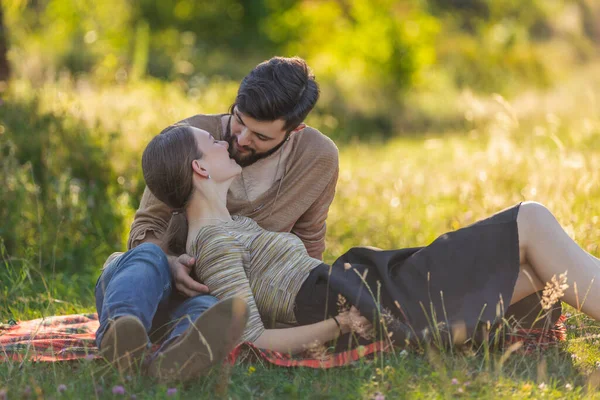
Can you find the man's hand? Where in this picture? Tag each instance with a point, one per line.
(181, 268)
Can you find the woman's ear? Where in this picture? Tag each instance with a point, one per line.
(199, 169)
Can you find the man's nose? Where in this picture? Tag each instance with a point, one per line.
(243, 138)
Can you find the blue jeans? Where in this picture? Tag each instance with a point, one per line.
(138, 283)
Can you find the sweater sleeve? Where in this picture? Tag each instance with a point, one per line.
(152, 216)
(311, 226)
(220, 266)
(317, 173)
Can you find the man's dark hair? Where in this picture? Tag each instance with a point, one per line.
(280, 88)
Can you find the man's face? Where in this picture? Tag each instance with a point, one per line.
(250, 140)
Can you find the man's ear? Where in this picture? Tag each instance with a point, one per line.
(298, 128)
(199, 169)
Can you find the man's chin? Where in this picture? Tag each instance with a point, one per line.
(244, 161)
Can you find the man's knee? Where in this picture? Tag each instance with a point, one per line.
(152, 254)
(201, 302)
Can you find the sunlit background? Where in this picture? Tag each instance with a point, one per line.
(444, 111)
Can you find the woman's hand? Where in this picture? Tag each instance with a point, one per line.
(181, 268)
(352, 321)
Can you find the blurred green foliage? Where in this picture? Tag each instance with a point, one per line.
(94, 81)
(59, 202)
(369, 56)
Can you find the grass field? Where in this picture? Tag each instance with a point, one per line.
(399, 193)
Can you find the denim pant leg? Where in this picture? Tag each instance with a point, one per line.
(133, 284)
(184, 311)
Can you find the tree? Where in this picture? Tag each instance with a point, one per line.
(4, 66)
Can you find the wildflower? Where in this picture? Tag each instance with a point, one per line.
(316, 350)
(467, 384)
(118, 389)
(378, 396)
(62, 388)
(342, 304)
(361, 350)
(171, 392)
(26, 391)
(128, 378)
(568, 315)
(460, 390)
(89, 357)
(361, 330)
(133, 397)
(554, 290)
(3, 395)
(251, 370)
(542, 386)
(455, 381)
(569, 387)
(403, 353)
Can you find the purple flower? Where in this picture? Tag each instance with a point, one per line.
(118, 389)
(62, 388)
(379, 396)
(90, 357)
(133, 397)
(3, 394)
(171, 392)
(455, 381)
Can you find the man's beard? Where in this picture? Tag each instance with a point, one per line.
(252, 156)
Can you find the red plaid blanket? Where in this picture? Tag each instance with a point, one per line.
(71, 337)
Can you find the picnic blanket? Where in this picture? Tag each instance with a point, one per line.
(71, 337)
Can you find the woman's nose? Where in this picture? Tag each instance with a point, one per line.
(224, 143)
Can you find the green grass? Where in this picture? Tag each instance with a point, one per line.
(400, 193)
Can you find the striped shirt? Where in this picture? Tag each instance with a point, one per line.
(267, 269)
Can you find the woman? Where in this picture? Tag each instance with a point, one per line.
(462, 279)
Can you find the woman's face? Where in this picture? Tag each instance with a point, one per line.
(215, 157)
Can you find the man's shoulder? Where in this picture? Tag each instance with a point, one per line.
(208, 122)
(314, 143)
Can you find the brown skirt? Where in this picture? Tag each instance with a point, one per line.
(461, 282)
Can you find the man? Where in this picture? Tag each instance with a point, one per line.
(287, 184)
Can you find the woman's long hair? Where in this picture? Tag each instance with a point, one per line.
(167, 168)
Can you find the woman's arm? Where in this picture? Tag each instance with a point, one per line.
(297, 339)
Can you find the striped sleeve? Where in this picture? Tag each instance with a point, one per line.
(220, 266)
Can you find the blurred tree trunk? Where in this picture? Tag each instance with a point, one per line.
(4, 66)
(590, 14)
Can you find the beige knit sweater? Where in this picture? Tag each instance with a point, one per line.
(287, 192)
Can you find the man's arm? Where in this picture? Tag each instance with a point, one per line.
(149, 225)
(150, 221)
(311, 226)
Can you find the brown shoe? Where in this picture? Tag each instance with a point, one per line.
(124, 342)
(207, 341)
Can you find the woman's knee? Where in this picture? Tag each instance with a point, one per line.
(534, 213)
(533, 219)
